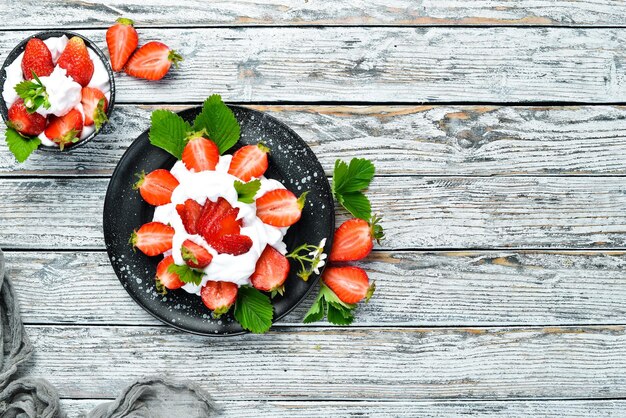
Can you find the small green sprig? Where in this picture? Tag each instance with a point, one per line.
(311, 258)
(33, 93)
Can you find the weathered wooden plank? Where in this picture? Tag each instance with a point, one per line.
(413, 289)
(337, 364)
(420, 212)
(431, 140)
(283, 12)
(382, 64)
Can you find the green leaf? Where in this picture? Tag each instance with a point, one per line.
(247, 191)
(33, 93)
(327, 303)
(317, 310)
(169, 132)
(357, 204)
(219, 123)
(186, 274)
(331, 297)
(338, 315)
(19, 145)
(354, 177)
(254, 310)
(340, 176)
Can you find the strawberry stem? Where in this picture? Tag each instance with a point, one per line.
(174, 57)
(125, 21)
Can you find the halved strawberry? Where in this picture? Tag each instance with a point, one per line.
(29, 124)
(196, 256)
(236, 244)
(156, 188)
(200, 154)
(76, 60)
(354, 240)
(152, 61)
(189, 213)
(280, 207)
(219, 296)
(95, 105)
(271, 271)
(37, 58)
(122, 40)
(153, 238)
(350, 284)
(65, 130)
(249, 161)
(166, 278)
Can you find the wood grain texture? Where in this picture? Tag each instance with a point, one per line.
(287, 13)
(420, 212)
(382, 64)
(413, 289)
(338, 364)
(421, 140)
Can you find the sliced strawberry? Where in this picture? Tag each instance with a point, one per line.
(65, 130)
(29, 124)
(219, 296)
(76, 60)
(196, 256)
(200, 154)
(354, 240)
(95, 105)
(232, 244)
(271, 271)
(189, 213)
(218, 219)
(350, 284)
(156, 188)
(122, 40)
(166, 278)
(37, 58)
(153, 238)
(249, 161)
(152, 61)
(280, 207)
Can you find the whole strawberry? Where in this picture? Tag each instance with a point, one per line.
(29, 124)
(152, 61)
(122, 41)
(37, 58)
(76, 61)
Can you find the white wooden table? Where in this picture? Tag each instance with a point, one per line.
(500, 142)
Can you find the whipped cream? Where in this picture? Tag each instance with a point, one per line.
(212, 185)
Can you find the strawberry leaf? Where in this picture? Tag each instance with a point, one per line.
(317, 310)
(168, 131)
(338, 315)
(34, 94)
(254, 310)
(219, 122)
(349, 181)
(186, 274)
(357, 204)
(247, 191)
(19, 145)
(327, 303)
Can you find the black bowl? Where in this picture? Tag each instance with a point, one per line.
(290, 161)
(53, 34)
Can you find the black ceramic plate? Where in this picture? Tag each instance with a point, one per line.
(291, 161)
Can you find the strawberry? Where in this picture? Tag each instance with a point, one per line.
(152, 61)
(271, 271)
(66, 129)
(280, 207)
(196, 256)
(153, 238)
(30, 124)
(37, 58)
(354, 239)
(166, 278)
(350, 284)
(122, 40)
(200, 154)
(219, 296)
(234, 244)
(249, 161)
(156, 188)
(218, 219)
(189, 213)
(95, 105)
(75, 59)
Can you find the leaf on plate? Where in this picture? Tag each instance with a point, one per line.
(219, 123)
(254, 310)
(169, 132)
(186, 274)
(247, 191)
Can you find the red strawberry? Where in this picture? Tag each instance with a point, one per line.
(122, 40)
(232, 244)
(30, 124)
(152, 61)
(166, 278)
(219, 296)
(189, 213)
(249, 161)
(66, 129)
(350, 284)
(354, 239)
(75, 59)
(280, 207)
(200, 154)
(156, 188)
(95, 105)
(271, 271)
(196, 256)
(153, 238)
(218, 219)
(37, 58)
